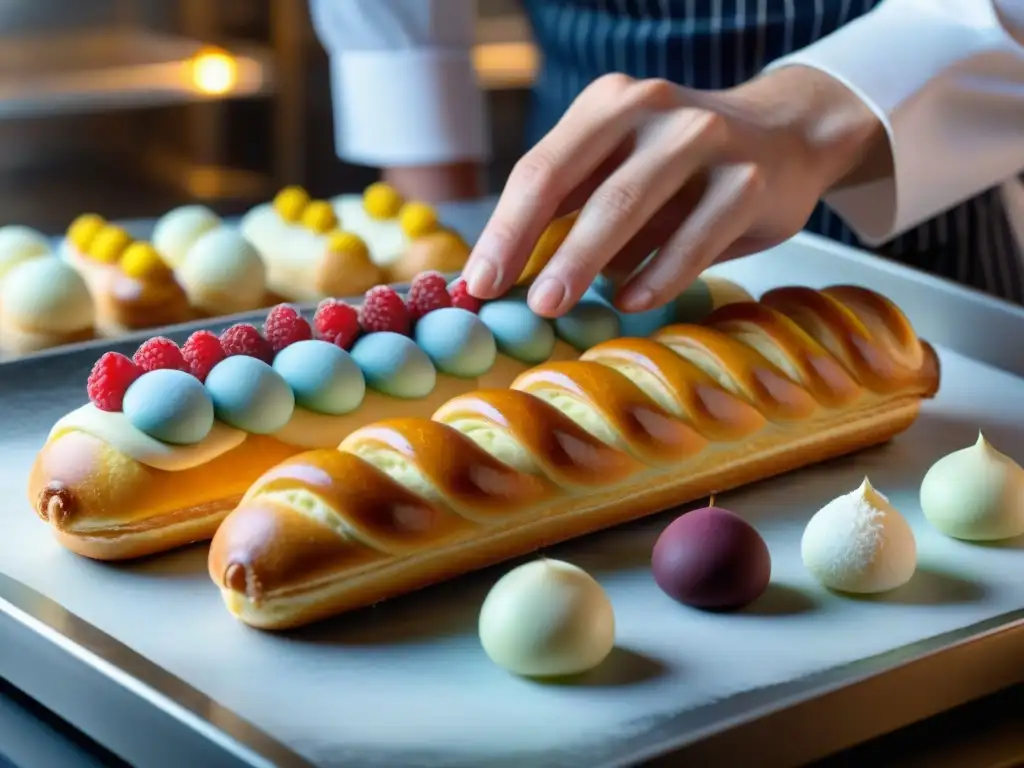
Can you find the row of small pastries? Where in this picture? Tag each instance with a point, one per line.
(106, 283)
(101, 282)
(314, 249)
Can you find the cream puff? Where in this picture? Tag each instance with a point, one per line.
(223, 274)
(308, 255)
(18, 244)
(395, 230)
(547, 618)
(44, 302)
(975, 494)
(178, 230)
(859, 543)
(139, 291)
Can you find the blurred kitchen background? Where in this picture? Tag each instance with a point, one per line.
(131, 107)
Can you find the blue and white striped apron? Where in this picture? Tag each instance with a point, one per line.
(712, 44)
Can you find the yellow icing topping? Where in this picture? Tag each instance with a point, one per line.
(141, 261)
(417, 220)
(84, 229)
(319, 216)
(348, 243)
(109, 243)
(290, 203)
(382, 201)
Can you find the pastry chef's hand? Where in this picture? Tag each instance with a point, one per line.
(701, 176)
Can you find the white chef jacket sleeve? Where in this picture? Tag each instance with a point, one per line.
(403, 83)
(946, 78)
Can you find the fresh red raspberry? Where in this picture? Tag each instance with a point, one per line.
(384, 310)
(284, 326)
(337, 322)
(244, 339)
(461, 298)
(429, 291)
(202, 351)
(159, 353)
(111, 376)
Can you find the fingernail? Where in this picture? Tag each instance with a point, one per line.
(546, 297)
(637, 299)
(482, 277)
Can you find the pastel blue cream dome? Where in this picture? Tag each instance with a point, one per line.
(250, 395)
(457, 342)
(692, 306)
(519, 332)
(588, 324)
(323, 377)
(171, 406)
(395, 365)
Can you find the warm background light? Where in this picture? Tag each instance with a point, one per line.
(214, 71)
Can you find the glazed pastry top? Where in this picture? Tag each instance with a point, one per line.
(311, 385)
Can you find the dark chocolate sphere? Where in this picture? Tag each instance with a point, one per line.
(712, 559)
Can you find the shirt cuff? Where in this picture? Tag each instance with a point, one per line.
(401, 108)
(919, 70)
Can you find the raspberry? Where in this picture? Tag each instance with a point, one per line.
(202, 351)
(159, 353)
(284, 326)
(244, 339)
(110, 378)
(384, 310)
(429, 291)
(337, 322)
(461, 298)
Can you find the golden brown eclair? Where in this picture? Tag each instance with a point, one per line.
(634, 427)
(105, 505)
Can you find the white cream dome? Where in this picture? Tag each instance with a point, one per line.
(223, 273)
(547, 618)
(859, 543)
(18, 244)
(178, 230)
(975, 494)
(47, 295)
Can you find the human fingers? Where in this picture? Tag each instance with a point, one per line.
(595, 125)
(655, 234)
(726, 211)
(579, 196)
(670, 152)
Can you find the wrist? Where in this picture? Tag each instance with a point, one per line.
(841, 134)
(437, 183)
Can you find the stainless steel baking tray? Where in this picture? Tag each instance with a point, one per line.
(144, 658)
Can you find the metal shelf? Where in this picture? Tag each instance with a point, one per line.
(96, 70)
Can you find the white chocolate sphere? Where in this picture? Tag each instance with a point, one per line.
(47, 295)
(178, 230)
(547, 618)
(18, 244)
(223, 273)
(976, 494)
(859, 543)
